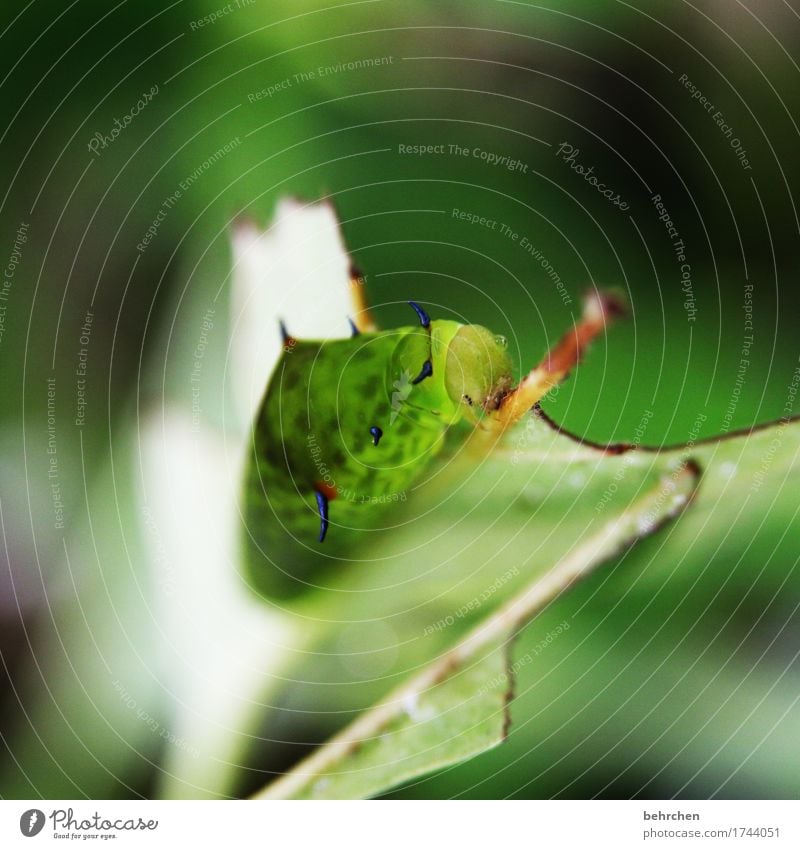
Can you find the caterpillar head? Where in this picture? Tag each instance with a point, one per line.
(447, 368)
(477, 368)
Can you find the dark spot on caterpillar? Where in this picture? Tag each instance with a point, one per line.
(371, 386)
(301, 422)
(399, 453)
(405, 427)
(376, 434)
(337, 454)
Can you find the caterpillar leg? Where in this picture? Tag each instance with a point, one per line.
(599, 308)
(425, 323)
(287, 340)
(424, 318)
(425, 371)
(322, 507)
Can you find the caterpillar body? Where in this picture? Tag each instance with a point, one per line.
(348, 425)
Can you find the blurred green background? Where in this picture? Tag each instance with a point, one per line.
(320, 100)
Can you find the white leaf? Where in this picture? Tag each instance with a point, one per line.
(223, 646)
(297, 271)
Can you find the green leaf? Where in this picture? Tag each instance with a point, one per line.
(421, 729)
(543, 499)
(457, 706)
(679, 670)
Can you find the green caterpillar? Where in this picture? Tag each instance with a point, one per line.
(348, 425)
